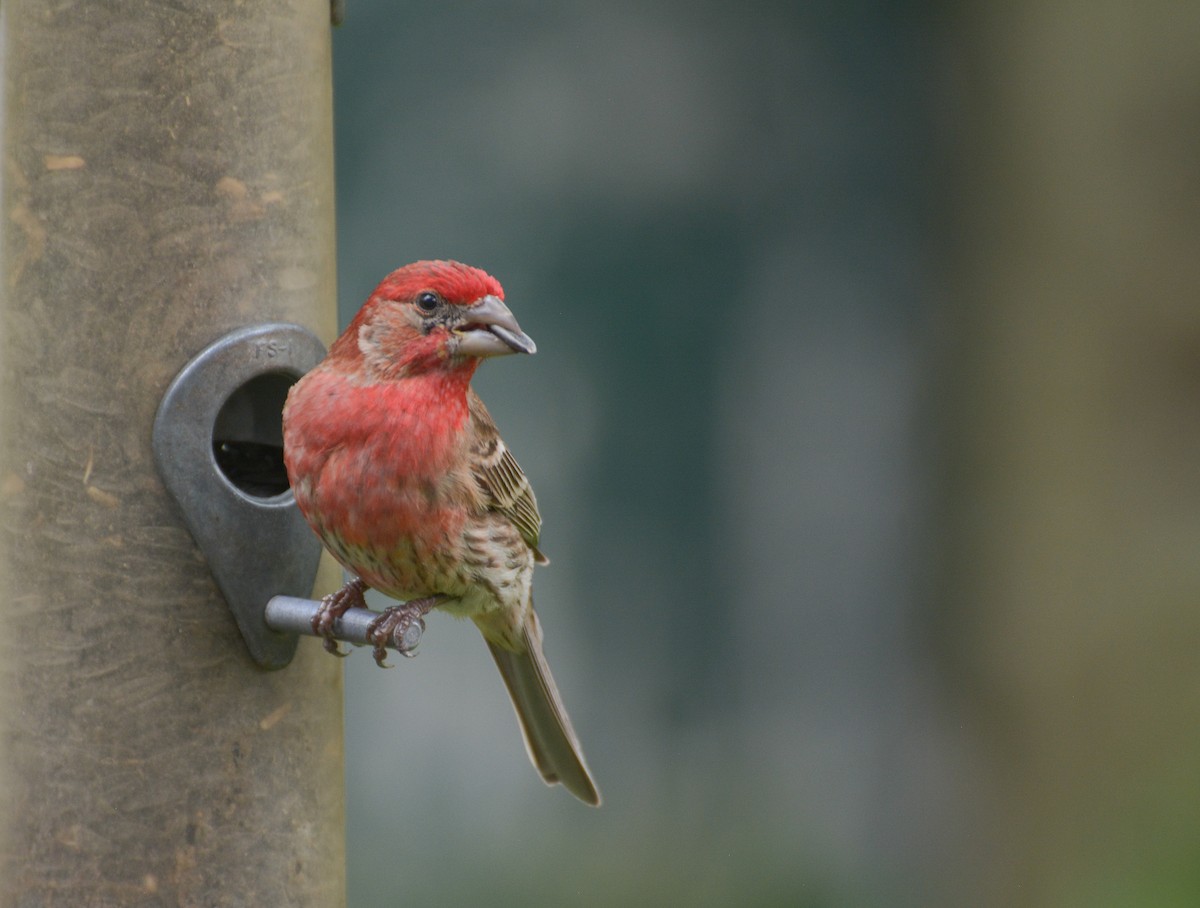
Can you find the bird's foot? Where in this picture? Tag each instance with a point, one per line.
(402, 626)
(332, 608)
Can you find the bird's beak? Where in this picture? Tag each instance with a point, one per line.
(491, 330)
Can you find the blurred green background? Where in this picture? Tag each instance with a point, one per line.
(864, 427)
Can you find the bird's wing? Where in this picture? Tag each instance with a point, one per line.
(500, 477)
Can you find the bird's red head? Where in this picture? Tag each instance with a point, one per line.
(429, 316)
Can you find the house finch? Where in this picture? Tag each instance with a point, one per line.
(399, 469)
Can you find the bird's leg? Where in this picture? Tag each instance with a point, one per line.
(333, 607)
(401, 625)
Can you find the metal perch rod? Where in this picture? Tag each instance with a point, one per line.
(292, 615)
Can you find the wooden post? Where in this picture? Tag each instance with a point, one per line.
(167, 177)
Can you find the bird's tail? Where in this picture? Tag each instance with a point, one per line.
(549, 738)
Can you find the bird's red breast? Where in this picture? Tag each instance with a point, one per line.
(380, 462)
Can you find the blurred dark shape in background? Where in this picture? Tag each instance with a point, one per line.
(864, 426)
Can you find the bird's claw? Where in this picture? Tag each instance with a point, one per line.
(401, 626)
(332, 608)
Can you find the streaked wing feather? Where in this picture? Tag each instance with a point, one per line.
(500, 477)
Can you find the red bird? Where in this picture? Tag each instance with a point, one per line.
(399, 469)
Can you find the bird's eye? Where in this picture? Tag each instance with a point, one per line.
(428, 301)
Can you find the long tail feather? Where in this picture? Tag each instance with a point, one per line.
(549, 738)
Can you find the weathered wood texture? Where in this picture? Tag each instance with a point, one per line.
(167, 176)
